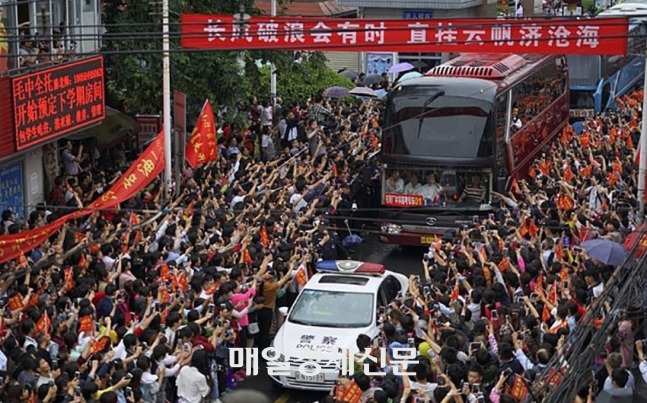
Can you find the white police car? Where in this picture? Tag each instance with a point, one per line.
(341, 301)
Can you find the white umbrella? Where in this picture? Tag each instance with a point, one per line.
(364, 92)
(409, 76)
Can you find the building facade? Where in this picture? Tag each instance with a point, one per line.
(375, 62)
(51, 88)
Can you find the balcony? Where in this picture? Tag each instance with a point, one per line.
(411, 4)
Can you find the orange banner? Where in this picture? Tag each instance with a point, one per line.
(86, 324)
(13, 246)
(141, 173)
(202, 147)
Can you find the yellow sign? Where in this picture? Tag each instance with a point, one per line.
(426, 240)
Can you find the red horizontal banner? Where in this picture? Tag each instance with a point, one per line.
(140, 174)
(54, 101)
(403, 200)
(600, 36)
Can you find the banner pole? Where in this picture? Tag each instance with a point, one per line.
(166, 92)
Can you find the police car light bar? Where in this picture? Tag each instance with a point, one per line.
(350, 267)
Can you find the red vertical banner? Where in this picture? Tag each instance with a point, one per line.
(149, 126)
(202, 146)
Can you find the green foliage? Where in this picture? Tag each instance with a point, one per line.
(134, 62)
(134, 74)
(299, 81)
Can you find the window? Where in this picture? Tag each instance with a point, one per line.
(389, 288)
(535, 94)
(435, 187)
(333, 309)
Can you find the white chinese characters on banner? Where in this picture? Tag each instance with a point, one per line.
(352, 32)
(530, 35)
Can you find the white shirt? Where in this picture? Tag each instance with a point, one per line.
(519, 11)
(412, 189)
(300, 205)
(191, 385)
(396, 187)
(430, 191)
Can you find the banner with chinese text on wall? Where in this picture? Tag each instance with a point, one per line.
(140, 174)
(600, 36)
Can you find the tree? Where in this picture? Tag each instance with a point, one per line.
(133, 63)
(297, 81)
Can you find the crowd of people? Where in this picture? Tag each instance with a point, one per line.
(141, 304)
(494, 302)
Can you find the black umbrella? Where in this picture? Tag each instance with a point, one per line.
(372, 79)
(351, 74)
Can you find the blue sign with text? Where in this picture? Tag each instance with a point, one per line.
(11, 191)
(417, 14)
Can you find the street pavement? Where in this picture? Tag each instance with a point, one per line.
(404, 260)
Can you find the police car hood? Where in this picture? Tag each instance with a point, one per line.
(299, 341)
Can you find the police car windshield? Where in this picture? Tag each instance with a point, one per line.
(333, 309)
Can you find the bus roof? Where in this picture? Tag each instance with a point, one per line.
(504, 70)
(629, 8)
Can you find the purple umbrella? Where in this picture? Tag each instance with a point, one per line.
(401, 67)
(605, 251)
(336, 92)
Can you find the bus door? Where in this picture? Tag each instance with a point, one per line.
(502, 136)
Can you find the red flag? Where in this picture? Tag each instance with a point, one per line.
(302, 276)
(189, 209)
(539, 285)
(519, 390)
(265, 240)
(202, 147)
(545, 314)
(559, 252)
(565, 202)
(165, 272)
(124, 241)
(247, 258)
(69, 279)
(133, 220)
(455, 292)
(78, 236)
(585, 140)
(183, 282)
(515, 187)
(552, 295)
(164, 297)
(44, 324)
(15, 302)
(83, 262)
(504, 264)
(86, 324)
(568, 174)
(98, 345)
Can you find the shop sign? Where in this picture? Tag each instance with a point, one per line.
(57, 100)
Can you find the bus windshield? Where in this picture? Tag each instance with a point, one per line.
(435, 187)
(435, 125)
